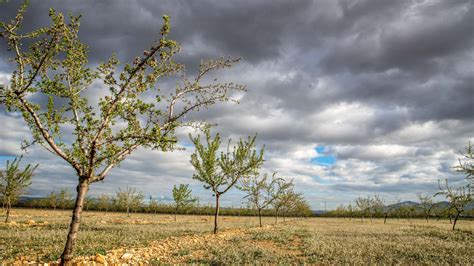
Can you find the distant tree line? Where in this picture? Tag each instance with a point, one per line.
(370, 207)
(111, 203)
(459, 200)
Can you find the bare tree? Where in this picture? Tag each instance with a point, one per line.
(13, 182)
(221, 173)
(458, 198)
(135, 112)
(182, 198)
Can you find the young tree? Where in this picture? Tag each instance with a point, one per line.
(153, 205)
(137, 202)
(103, 202)
(128, 199)
(363, 204)
(13, 182)
(296, 206)
(52, 63)
(283, 200)
(53, 200)
(64, 198)
(88, 202)
(182, 198)
(458, 198)
(426, 204)
(389, 209)
(466, 164)
(262, 191)
(221, 173)
(350, 210)
(376, 206)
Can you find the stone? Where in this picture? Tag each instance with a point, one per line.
(100, 259)
(126, 256)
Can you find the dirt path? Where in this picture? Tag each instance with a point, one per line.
(172, 250)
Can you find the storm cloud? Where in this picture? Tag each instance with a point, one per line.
(384, 87)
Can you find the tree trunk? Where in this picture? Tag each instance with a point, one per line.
(260, 217)
(276, 217)
(455, 220)
(128, 211)
(82, 189)
(9, 206)
(175, 214)
(385, 219)
(216, 214)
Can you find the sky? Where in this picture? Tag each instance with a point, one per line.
(350, 98)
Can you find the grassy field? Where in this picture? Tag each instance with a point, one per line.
(152, 239)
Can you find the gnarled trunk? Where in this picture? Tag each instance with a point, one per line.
(216, 214)
(82, 189)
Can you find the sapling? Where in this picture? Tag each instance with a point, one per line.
(13, 182)
(220, 172)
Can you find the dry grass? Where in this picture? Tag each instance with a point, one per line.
(154, 239)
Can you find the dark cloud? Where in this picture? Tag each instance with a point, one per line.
(385, 86)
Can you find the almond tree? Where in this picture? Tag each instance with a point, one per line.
(377, 205)
(182, 198)
(103, 202)
(458, 198)
(64, 198)
(426, 203)
(153, 205)
(389, 209)
(296, 206)
(466, 164)
(128, 199)
(13, 182)
(262, 191)
(53, 200)
(134, 112)
(363, 204)
(283, 199)
(221, 172)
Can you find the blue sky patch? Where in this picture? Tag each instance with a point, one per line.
(4, 159)
(323, 158)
